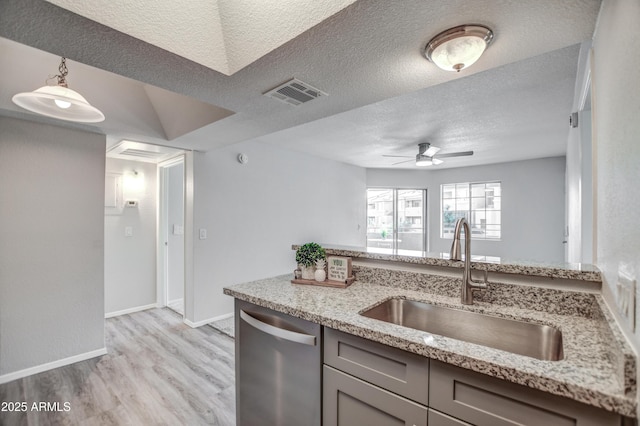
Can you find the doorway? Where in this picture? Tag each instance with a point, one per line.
(171, 244)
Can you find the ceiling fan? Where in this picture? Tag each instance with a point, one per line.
(426, 155)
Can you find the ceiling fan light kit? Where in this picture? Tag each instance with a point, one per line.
(425, 161)
(426, 154)
(459, 47)
(59, 101)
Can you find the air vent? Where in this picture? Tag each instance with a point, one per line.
(295, 92)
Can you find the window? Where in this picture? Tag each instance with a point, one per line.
(395, 219)
(479, 202)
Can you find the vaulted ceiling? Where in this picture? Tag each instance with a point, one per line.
(384, 96)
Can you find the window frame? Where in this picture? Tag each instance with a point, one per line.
(395, 216)
(470, 210)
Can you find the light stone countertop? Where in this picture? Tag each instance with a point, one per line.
(591, 371)
(573, 271)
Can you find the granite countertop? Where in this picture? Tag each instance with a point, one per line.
(573, 271)
(598, 367)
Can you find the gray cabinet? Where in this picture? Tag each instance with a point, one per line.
(483, 400)
(437, 418)
(348, 401)
(399, 371)
(367, 383)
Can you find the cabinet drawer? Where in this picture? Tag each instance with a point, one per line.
(401, 372)
(349, 401)
(483, 400)
(436, 418)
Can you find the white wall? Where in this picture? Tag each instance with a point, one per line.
(532, 205)
(130, 262)
(254, 212)
(51, 245)
(616, 113)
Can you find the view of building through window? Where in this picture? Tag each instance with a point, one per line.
(479, 202)
(395, 218)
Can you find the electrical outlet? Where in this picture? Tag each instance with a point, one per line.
(626, 300)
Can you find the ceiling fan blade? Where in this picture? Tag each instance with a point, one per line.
(400, 162)
(456, 154)
(431, 151)
(399, 156)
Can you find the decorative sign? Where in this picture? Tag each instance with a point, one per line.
(339, 268)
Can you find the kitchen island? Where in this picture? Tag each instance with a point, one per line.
(598, 367)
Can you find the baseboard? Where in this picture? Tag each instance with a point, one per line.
(207, 321)
(6, 378)
(130, 310)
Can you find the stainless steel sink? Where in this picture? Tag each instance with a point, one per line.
(518, 337)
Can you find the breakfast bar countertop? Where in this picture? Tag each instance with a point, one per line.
(572, 271)
(598, 367)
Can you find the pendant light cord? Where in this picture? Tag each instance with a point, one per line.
(62, 77)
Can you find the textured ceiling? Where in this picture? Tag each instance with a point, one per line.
(224, 35)
(383, 94)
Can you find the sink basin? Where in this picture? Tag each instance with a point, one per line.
(518, 337)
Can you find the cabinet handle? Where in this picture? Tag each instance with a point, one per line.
(305, 339)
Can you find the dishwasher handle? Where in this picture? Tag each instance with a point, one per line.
(305, 339)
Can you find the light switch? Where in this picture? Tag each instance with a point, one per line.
(128, 231)
(203, 234)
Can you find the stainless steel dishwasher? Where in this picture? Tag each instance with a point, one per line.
(278, 368)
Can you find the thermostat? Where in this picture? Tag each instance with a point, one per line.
(131, 203)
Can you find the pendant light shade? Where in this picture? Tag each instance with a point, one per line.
(458, 48)
(59, 101)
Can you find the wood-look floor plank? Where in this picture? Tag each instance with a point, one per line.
(157, 371)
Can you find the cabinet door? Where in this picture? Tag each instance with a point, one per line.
(348, 401)
(487, 401)
(436, 418)
(392, 369)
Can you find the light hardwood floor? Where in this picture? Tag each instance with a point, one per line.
(158, 371)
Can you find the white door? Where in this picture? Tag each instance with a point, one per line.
(172, 234)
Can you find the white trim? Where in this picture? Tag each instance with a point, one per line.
(189, 227)
(207, 321)
(173, 161)
(131, 310)
(51, 365)
(162, 259)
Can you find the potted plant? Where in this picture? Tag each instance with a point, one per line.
(306, 257)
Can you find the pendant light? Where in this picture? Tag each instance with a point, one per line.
(59, 101)
(459, 47)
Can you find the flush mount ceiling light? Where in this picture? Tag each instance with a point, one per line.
(59, 101)
(459, 47)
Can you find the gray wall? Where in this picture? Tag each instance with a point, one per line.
(130, 262)
(532, 205)
(254, 212)
(51, 244)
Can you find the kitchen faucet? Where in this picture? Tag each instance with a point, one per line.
(468, 284)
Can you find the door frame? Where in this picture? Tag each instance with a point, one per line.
(162, 231)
